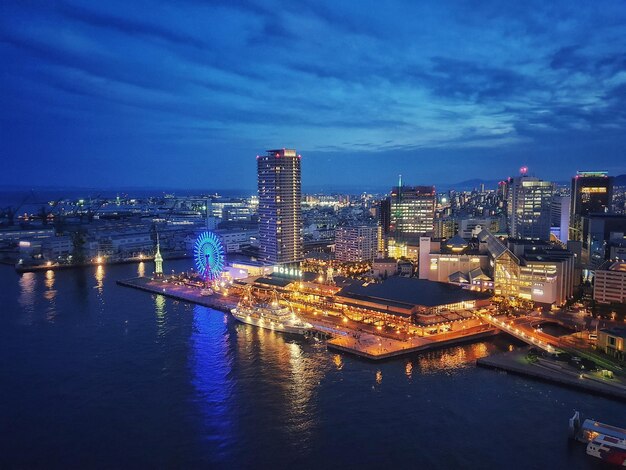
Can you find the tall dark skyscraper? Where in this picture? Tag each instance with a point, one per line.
(591, 193)
(280, 213)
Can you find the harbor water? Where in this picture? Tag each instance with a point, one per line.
(96, 375)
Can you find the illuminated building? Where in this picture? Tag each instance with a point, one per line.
(454, 261)
(534, 271)
(412, 211)
(560, 217)
(591, 193)
(612, 341)
(356, 243)
(610, 283)
(280, 213)
(410, 298)
(529, 208)
(445, 227)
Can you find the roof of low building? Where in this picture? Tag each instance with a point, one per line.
(612, 266)
(413, 291)
(275, 281)
(457, 242)
(458, 277)
(616, 331)
(478, 273)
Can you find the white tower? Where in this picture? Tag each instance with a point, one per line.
(158, 260)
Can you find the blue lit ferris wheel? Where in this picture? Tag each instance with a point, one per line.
(208, 253)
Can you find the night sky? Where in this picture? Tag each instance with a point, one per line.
(185, 94)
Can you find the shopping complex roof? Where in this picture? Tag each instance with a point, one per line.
(411, 291)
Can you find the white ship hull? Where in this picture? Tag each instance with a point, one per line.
(283, 327)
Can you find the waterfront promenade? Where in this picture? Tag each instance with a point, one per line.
(550, 370)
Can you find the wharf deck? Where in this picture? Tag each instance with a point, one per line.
(215, 301)
(548, 370)
(374, 347)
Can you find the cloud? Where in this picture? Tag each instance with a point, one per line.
(352, 77)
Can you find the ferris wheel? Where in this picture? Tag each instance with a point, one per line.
(208, 253)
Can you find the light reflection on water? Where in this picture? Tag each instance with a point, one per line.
(457, 357)
(211, 363)
(28, 283)
(141, 269)
(50, 295)
(159, 310)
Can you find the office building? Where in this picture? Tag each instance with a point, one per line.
(560, 217)
(602, 234)
(529, 208)
(280, 213)
(412, 211)
(591, 193)
(356, 243)
(610, 283)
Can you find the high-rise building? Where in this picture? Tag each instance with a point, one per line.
(560, 217)
(529, 208)
(356, 243)
(591, 193)
(412, 211)
(601, 232)
(280, 213)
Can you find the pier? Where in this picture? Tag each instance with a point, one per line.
(349, 339)
(549, 370)
(156, 286)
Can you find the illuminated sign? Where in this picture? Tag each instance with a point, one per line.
(287, 271)
(593, 190)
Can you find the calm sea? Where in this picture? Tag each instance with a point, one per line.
(94, 375)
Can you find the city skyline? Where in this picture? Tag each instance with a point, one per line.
(111, 95)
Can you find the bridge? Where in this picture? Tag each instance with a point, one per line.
(514, 330)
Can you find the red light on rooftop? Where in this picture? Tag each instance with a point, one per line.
(523, 170)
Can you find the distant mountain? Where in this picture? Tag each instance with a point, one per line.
(469, 185)
(619, 180)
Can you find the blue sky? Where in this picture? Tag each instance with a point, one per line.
(186, 93)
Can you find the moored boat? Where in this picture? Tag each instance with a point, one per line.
(270, 315)
(609, 449)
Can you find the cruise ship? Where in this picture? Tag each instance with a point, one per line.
(270, 315)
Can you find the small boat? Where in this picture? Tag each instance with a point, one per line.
(604, 441)
(609, 449)
(270, 315)
(206, 292)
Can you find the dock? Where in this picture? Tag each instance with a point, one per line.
(374, 347)
(340, 337)
(548, 370)
(215, 301)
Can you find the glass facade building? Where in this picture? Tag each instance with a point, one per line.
(529, 208)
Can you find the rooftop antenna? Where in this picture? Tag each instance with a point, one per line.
(399, 181)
